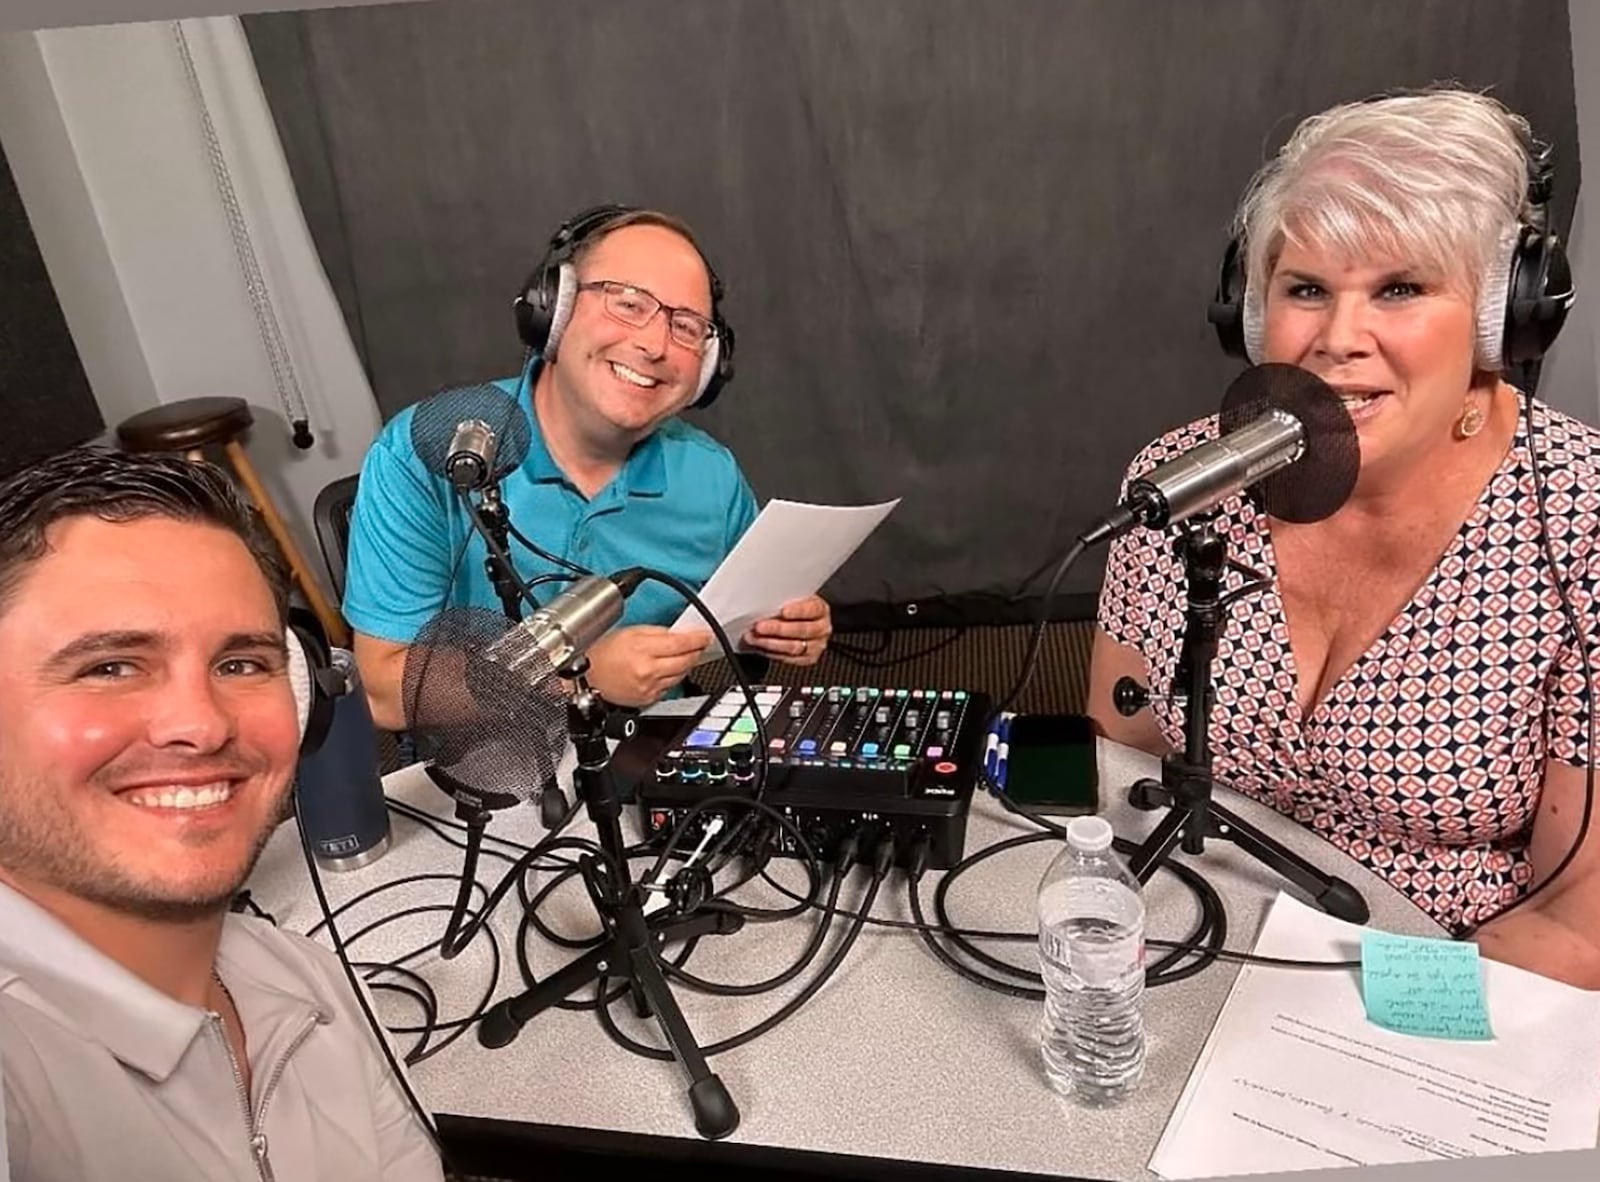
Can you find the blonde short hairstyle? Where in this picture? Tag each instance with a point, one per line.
(1438, 178)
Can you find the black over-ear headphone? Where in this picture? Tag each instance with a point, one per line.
(543, 306)
(1538, 290)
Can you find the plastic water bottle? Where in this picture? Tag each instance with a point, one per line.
(1091, 949)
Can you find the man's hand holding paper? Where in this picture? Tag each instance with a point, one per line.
(797, 635)
(635, 666)
(765, 592)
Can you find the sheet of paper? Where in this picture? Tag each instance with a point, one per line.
(788, 552)
(1431, 988)
(1293, 1076)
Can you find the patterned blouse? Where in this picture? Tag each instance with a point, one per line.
(1425, 760)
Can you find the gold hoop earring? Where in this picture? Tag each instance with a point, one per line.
(1471, 421)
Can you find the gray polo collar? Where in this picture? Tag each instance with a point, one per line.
(48, 966)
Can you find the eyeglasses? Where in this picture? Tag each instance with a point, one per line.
(636, 307)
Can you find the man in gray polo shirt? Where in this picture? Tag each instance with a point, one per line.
(148, 737)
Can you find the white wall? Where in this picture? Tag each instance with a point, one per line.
(103, 136)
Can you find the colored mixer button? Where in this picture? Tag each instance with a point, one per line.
(806, 746)
(702, 739)
(838, 747)
(934, 752)
(744, 725)
(944, 768)
(869, 751)
(902, 750)
(733, 739)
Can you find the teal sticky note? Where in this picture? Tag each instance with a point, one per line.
(1419, 986)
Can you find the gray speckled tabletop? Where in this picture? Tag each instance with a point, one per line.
(896, 1057)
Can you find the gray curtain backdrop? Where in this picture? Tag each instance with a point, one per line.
(968, 245)
(44, 395)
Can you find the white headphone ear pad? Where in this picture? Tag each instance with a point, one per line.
(1253, 325)
(299, 679)
(561, 314)
(1493, 294)
(708, 366)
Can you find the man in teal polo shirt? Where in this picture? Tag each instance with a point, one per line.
(612, 479)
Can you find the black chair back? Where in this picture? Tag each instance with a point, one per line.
(331, 519)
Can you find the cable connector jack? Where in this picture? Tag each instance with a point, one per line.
(849, 851)
(883, 854)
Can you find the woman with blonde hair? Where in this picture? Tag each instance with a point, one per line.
(1414, 682)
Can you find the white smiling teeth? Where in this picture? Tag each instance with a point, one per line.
(633, 376)
(181, 798)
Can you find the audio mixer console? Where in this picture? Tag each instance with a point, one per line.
(839, 758)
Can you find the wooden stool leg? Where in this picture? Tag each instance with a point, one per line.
(332, 622)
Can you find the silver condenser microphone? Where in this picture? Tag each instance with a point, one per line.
(1274, 415)
(566, 627)
(470, 460)
(1205, 476)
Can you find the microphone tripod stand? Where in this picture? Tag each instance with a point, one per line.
(630, 941)
(1185, 786)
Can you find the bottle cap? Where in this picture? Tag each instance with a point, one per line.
(1090, 834)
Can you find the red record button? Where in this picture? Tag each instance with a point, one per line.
(944, 768)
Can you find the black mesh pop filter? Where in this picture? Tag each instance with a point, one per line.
(1313, 487)
(491, 738)
(435, 419)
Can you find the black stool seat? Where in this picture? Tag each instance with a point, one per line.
(183, 426)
